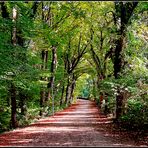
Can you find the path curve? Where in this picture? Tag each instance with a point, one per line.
(78, 125)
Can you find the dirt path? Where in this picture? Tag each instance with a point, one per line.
(79, 125)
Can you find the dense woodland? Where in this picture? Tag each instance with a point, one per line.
(51, 53)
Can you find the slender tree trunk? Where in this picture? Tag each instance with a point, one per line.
(42, 99)
(94, 89)
(12, 87)
(13, 106)
(42, 96)
(62, 95)
(68, 91)
(50, 85)
(53, 69)
(44, 57)
(72, 89)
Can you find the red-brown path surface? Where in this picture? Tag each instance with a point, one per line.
(79, 125)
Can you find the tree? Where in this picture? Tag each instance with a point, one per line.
(124, 12)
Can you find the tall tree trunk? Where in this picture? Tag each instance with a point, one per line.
(13, 106)
(44, 56)
(50, 85)
(117, 69)
(62, 94)
(53, 69)
(12, 87)
(63, 87)
(68, 91)
(72, 89)
(99, 79)
(118, 57)
(124, 12)
(42, 100)
(94, 90)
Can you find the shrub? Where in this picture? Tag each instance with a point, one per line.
(136, 116)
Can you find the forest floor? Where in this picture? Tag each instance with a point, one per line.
(81, 124)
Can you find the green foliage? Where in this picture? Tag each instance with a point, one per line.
(136, 116)
(4, 118)
(67, 26)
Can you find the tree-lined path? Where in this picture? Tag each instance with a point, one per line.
(82, 124)
(52, 53)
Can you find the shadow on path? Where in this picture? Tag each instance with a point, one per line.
(79, 125)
